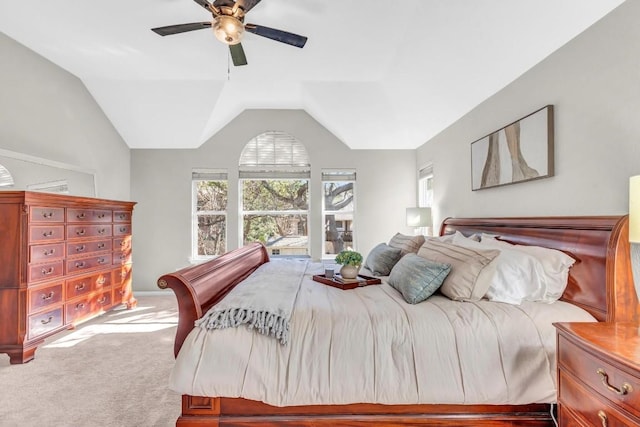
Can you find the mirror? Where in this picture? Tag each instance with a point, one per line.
(37, 174)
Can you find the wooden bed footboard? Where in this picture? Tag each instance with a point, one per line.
(200, 286)
(600, 282)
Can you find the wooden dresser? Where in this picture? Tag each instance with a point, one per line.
(598, 374)
(63, 259)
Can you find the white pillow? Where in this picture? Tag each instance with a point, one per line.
(513, 276)
(555, 264)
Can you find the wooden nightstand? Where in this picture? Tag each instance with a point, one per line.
(598, 374)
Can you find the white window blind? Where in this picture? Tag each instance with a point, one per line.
(209, 175)
(6, 180)
(339, 175)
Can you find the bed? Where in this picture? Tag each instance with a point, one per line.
(599, 283)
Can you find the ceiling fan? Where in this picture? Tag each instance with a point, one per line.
(229, 27)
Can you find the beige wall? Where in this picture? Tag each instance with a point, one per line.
(593, 83)
(161, 184)
(47, 113)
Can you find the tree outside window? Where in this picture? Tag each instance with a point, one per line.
(211, 214)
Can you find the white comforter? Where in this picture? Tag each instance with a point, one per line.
(368, 345)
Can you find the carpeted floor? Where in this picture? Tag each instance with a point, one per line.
(110, 371)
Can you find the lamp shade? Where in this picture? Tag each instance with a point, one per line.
(634, 209)
(419, 217)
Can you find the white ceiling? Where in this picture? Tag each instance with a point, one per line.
(376, 74)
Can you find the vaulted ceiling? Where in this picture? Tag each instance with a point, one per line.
(376, 74)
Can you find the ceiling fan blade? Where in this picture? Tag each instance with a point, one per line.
(237, 54)
(247, 5)
(204, 3)
(277, 35)
(180, 28)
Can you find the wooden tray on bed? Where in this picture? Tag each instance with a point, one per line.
(336, 283)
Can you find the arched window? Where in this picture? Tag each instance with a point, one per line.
(274, 172)
(6, 180)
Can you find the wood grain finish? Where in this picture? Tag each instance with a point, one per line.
(599, 373)
(599, 282)
(57, 257)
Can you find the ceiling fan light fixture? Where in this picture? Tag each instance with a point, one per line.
(228, 29)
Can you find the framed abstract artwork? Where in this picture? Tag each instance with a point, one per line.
(521, 151)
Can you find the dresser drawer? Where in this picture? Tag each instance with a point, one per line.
(122, 244)
(90, 263)
(605, 379)
(40, 324)
(88, 215)
(82, 285)
(83, 308)
(121, 258)
(43, 214)
(594, 411)
(121, 216)
(83, 248)
(45, 271)
(42, 253)
(46, 296)
(46, 233)
(94, 230)
(121, 229)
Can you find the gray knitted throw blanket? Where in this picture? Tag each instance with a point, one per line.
(263, 301)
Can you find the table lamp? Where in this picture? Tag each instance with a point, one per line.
(419, 217)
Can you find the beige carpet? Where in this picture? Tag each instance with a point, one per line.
(110, 371)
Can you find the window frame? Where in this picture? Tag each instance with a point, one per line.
(198, 176)
(339, 175)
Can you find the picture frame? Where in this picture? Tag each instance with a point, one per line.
(519, 152)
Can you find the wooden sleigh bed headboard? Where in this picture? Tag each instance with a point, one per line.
(600, 282)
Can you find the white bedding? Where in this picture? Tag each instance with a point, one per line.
(368, 345)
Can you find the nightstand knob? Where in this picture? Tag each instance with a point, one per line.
(625, 389)
(603, 418)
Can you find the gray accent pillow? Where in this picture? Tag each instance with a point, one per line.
(407, 244)
(417, 278)
(381, 259)
(466, 264)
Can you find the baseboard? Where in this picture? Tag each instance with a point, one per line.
(153, 293)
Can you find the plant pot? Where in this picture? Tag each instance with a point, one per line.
(349, 271)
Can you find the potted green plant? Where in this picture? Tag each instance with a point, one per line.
(350, 261)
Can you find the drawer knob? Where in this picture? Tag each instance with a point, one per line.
(46, 272)
(44, 322)
(101, 215)
(80, 264)
(102, 231)
(80, 232)
(81, 215)
(622, 391)
(49, 252)
(47, 233)
(102, 300)
(80, 306)
(80, 286)
(603, 418)
(47, 214)
(47, 297)
(80, 248)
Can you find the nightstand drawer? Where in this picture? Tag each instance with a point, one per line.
(581, 403)
(606, 380)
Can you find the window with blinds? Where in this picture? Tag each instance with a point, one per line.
(425, 193)
(209, 224)
(338, 209)
(274, 171)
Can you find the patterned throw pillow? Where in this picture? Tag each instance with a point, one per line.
(466, 264)
(381, 259)
(417, 278)
(406, 244)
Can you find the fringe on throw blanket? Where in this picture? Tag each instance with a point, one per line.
(263, 301)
